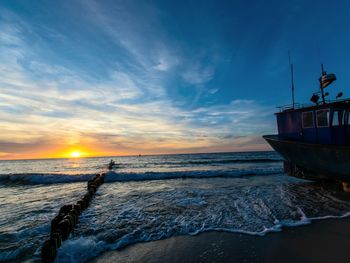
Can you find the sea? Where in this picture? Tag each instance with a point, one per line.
(147, 198)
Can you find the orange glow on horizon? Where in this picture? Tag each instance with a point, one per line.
(85, 148)
(75, 154)
(67, 151)
(81, 150)
(64, 151)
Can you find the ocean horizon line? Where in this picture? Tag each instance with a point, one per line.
(131, 155)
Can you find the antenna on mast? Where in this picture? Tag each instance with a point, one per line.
(325, 80)
(292, 77)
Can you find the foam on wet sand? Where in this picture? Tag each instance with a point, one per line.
(322, 241)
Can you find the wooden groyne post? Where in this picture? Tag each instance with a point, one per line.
(68, 217)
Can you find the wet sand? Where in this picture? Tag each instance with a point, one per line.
(321, 241)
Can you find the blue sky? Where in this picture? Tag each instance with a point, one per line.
(127, 77)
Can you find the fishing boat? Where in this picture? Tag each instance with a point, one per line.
(314, 139)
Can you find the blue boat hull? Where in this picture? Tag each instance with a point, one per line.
(313, 161)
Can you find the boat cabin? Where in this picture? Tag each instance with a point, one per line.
(327, 123)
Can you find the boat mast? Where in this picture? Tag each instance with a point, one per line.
(321, 88)
(292, 73)
(292, 78)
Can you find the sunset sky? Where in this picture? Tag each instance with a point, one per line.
(151, 77)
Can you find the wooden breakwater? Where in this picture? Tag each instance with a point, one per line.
(68, 217)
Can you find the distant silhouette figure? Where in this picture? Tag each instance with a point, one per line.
(111, 164)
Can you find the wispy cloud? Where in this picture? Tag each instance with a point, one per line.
(198, 74)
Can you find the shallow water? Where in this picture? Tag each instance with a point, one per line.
(154, 197)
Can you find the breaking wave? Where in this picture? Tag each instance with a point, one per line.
(210, 162)
(41, 178)
(125, 177)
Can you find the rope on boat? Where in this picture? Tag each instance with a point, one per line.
(67, 218)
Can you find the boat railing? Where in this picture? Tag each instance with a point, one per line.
(295, 106)
(329, 101)
(289, 107)
(306, 105)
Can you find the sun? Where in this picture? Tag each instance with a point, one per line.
(75, 154)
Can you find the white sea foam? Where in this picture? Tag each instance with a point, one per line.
(114, 176)
(80, 249)
(83, 249)
(143, 211)
(38, 178)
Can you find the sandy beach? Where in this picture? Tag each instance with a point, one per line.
(321, 241)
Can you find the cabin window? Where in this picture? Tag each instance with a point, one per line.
(336, 118)
(308, 119)
(323, 118)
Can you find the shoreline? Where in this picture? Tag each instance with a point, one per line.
(324, 240)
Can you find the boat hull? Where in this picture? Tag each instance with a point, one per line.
(313, 161)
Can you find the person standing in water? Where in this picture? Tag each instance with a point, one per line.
(111, 164)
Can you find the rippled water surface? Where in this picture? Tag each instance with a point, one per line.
(154, 197)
